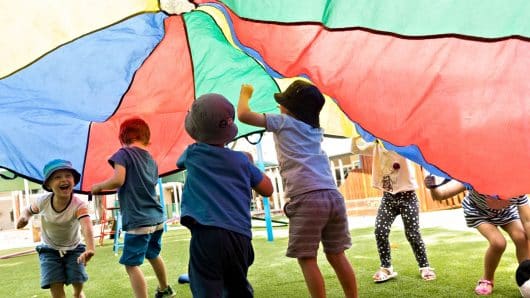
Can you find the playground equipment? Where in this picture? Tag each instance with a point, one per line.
(110, 226)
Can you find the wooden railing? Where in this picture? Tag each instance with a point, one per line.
(361, 198)
(356, 187)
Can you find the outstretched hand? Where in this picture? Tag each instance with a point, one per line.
(22, 222)
(429, 181)
(246, 91)
(96, 189)
(85, 257)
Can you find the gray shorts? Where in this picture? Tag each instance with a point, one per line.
(317, 216)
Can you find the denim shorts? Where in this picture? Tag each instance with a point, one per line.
(55, 268)
(137, 247)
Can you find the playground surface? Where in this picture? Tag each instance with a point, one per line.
(452, 219)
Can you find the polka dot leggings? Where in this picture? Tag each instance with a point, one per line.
(405, 204)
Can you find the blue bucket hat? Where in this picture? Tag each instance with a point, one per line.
(56, 165)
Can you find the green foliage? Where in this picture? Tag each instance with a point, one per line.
(457, 257)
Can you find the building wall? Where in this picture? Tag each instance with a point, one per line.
(6, 209)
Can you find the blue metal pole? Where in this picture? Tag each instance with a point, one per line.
(162, 202)
(266, 206)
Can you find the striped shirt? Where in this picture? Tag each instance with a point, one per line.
(479, 208)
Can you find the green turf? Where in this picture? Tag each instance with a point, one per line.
(457, 257)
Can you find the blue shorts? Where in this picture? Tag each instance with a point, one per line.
(137, 247)
(57, 269)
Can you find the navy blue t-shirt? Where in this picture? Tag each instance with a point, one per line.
(218, 188)
(139, 204)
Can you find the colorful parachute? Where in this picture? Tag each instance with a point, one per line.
(442, 84)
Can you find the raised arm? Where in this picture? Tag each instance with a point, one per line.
(366, 148)
(88, 234)
(26, 215)
(113, 182)
(244, 113)
(445, 191)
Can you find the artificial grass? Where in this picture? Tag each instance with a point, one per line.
(457, 257)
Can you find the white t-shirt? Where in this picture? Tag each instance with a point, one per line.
(61, 229)
(304, 166)
(391, 172)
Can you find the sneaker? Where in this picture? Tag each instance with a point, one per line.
(168, 292)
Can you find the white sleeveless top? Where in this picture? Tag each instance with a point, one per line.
(392, 172)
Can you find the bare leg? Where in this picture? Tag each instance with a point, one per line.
(160, 271)
(57, 290)
(78, 290)
(516, 231)
(313, 277)
(345, 273)
(497, 245)
(138, 284)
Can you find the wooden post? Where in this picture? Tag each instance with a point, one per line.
(35, 228)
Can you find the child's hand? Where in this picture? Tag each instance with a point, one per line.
(85, 257)
(96, 189)
(246, 91)
(429, 181)
(22, 222)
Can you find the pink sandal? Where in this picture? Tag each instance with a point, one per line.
(484, 287)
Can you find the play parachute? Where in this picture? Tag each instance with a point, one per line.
(443, 84)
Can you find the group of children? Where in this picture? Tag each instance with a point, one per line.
(392, 174)
(216, 204)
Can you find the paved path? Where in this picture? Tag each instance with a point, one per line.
(447, 219)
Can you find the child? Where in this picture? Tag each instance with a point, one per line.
(316, 209)
(135, 177)
(392, 174)
(216, 201)
(62, 255)
(486, 214)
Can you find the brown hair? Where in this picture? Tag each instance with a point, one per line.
(134, 129)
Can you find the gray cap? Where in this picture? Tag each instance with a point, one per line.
(211, 120)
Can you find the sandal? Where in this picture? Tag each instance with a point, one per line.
(427, 273)
(484, 287)
(384, 274)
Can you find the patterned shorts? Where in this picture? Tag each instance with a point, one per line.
(317, 216)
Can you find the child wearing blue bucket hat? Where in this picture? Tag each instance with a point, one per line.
(62, 255)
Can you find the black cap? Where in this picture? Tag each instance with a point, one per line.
(303, 100)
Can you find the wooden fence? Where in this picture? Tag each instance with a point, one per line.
(353, 176)
(362, 199)
(355, 184)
